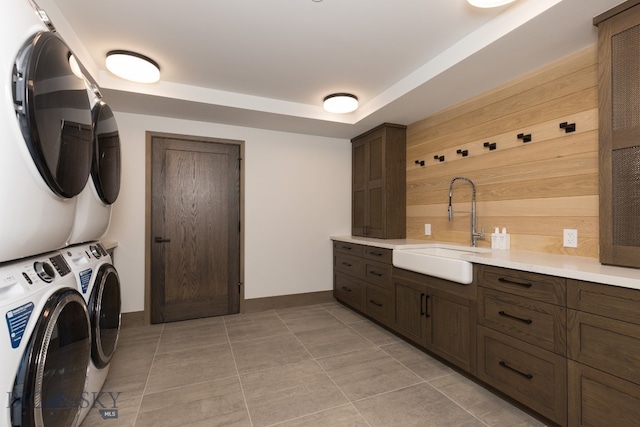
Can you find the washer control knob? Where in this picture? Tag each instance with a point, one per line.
(45, 271)
(95, 251)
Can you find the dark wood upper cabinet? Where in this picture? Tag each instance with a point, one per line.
(619, 134)
(379, 183)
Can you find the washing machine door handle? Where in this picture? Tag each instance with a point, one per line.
(158, 239)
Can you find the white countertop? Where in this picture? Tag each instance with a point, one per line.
(570, 267)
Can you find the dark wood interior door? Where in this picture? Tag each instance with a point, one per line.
(195, 248)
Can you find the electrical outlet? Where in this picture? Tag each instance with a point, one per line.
(427, 229)
(570, 238)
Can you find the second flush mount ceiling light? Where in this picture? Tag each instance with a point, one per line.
(489, 3)
(340, 103)
(133, 66)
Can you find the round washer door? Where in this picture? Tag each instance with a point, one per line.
(53, 108)
(104, 311)
(50, 383)
(105, 170)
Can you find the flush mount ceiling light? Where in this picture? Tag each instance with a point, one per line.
(340, 103)
(133, 66)
(489, 3)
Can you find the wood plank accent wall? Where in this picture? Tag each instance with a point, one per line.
(534, 189)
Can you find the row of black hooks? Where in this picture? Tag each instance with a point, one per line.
(525, 137)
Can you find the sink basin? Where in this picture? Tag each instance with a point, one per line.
(438, 261)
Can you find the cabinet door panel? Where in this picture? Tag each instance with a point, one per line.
(359, 189)
(452, 330)
(348, 290)
(349, 265)
(379, 304)
(530, 285)
(532, 321)
(410, 303)
(376, 213)
(376, 158)
(535, 377)
(598, 399)
(378, 274)
(607, 344)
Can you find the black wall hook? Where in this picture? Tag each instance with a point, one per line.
(464, 153)
(568, 127)
(490, 145)
(524, 138)
(440, 158)
(420, 162)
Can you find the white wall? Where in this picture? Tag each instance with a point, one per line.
(297, 194)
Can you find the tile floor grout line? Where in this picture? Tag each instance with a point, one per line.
(316, 413)
(233, 355)
(325, 372)
(315, 360)
(135, 421)
(413, 371)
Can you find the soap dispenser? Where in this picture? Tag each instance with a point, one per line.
(494, 239)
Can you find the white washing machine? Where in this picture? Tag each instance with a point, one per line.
(98, 282)
(45, 343)
(45, 135)
(93, 210)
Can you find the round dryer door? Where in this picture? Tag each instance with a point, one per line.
(50, 383)
(52, 105)
(105, 170)
(104, 311)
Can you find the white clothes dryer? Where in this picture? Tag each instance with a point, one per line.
(98, 281)
(45, 135)
(45, 343)
(93, 210)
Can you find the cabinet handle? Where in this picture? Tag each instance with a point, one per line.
(375, 253)
(346, 289)
(511, 316)
(375, 303)
(348, 248)
(426, 302)
(513, 282)
(504, 365)
(348, 264)
(375, 273)
(423, 305)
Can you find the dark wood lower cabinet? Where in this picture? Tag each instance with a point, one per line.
(441, 322)
(567, 349)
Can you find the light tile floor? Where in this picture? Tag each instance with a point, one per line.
(320, 365)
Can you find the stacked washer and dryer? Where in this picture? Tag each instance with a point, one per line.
(59, 176)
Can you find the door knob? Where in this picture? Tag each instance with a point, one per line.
(161, 240)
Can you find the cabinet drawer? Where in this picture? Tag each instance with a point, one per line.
(599, 399)
(379, 274)
(348, 290)
(350, 265)
(378, 254)
(535, 322)
(531, 285)
(535, 377)
(606, 344)
(379, 304)
(609, 301)
(348, 248)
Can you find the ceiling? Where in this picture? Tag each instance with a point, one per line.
(269, 64)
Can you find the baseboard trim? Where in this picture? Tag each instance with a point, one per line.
(286, 301)
(132, 319)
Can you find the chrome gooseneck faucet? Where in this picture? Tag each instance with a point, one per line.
(474, 234)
